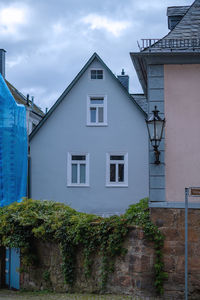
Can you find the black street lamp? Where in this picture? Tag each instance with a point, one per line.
(155, 126)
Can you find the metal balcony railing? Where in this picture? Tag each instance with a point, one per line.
(169, 44)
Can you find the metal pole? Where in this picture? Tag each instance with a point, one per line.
(186, 243)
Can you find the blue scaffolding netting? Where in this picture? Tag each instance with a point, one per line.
(13, 148)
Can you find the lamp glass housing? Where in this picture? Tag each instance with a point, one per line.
(155, 127)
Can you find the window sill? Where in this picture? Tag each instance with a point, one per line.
(97, 125)
(98, 79)
(78, 185)
(117, 185)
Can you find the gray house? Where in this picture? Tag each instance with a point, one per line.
(90, 151)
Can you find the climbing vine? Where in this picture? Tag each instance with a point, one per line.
(22, 223)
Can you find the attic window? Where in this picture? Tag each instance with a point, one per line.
(97, 110)
(96, 74)
(173, 21)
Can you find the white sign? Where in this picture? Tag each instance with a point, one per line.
(194, 191)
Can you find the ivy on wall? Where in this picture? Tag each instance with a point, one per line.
(22, 223)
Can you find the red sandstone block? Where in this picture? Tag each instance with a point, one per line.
(171, 234)
(176, 278)
(193, 235)
(194, 249)
(145, 263)
(194, 217)
(180, 266)
(194, 264)
(166, 215)
(169, 263)
(174, 248)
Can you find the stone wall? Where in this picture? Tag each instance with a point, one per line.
(134, 273)
(172, 223)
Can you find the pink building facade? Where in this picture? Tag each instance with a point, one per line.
(182, 130)
(169, 72)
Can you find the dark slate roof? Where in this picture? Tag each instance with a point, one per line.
(177, 10)
(72, 84)
(185, 36)
(21, 99)
(141, 101)
(189, 25)
(181, 44)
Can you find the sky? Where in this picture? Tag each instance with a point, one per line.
(47, 42)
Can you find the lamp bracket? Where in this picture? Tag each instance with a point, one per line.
(157, 155)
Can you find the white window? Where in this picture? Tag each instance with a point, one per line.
(78, 169)
(117, 169)
(96, 74)
(97, 110)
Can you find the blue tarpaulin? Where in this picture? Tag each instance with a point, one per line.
(13, 148)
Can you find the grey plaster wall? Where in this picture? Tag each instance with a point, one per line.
(156, 98)
(66, 131)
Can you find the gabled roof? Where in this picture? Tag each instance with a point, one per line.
(21, 99)
(72, 84)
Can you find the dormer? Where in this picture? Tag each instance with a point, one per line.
(175, 14)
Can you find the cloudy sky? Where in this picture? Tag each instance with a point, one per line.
(49, 41)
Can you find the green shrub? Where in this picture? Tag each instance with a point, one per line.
(21, 223)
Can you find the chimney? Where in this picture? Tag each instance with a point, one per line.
(2, 62)
(124, 79)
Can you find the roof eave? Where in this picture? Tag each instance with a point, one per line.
(140, 68)
(142, 59)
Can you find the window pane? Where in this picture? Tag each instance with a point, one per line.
(78, 157)
(121, 173)
(100, 114)
(93, 74)
(74, 173)
(117, 157)
(82, 173)
(99, 74)
(112, 172)
(93, 114)
(96, 74)
(96, 100)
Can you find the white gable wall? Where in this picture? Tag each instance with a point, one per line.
(66, 131)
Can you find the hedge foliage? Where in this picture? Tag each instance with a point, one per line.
(22, 223)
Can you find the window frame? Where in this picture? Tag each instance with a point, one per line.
(109, 161)
(104, 105)
(69, 169)
(96, 69)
